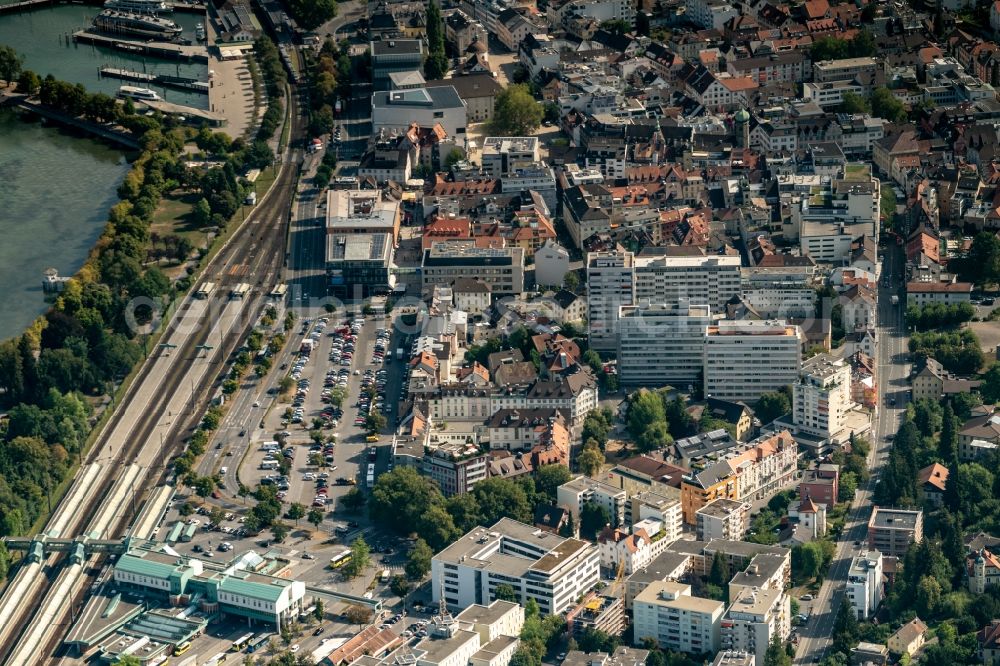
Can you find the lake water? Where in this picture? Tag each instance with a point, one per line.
(56, 192)
(41, 37)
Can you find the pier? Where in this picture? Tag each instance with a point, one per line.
(158, 49)
(114, 135)
(29, 5)
(163, 80)
(214, 119)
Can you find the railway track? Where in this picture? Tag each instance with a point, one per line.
(148, 421)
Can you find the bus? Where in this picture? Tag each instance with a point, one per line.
(239, 291)
(240, 643)
(181, 648)
(385, 576)
(258, 642)
(205, 290)
(370, 477)
(340, 559)
(279, 292)
(216, 660)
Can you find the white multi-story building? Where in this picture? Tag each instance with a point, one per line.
(864, 583)
(821, 398)
(504, 154)
(754, 616)
(662, 343)
(709, 14)
(398, 109)
(745, 359)
(667, 278)
(631, 552)
(610, 285)
(650, 504)
(723, 519)
(666, 611)
(574, 494)
(538, 565)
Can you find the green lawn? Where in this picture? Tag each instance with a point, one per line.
(173, 217)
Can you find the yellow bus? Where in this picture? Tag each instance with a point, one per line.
(181, 648)
(340, 559)
(241, 643)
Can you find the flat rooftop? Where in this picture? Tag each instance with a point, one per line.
(749, 601)
(358, 247)
(898, 519)
(506, 144)
(354, 210)
(655, 591)
(720, 508)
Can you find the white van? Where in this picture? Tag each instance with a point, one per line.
(223, 470)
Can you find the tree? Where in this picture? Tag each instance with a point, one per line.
(399, 586)
(854, 103)
(454, 157)
(548, 478)
(948, 442)
(516, 112)
(279, 531)
(315, 517)
(593, 518)
(10, 64)
(401, 497)
(886, 105)
(571, 281)
(418, 562)
(360, 558)
(358, 615)
(845, 628)
(505, 592)
(776, 654)
(645, 410)
(28, 82)
(375, 422)
(501, 498)
(591, 460)
(654, 437)
(719, 574)
(352, 500)
(128, 660)
(771, 405)
(296, 512)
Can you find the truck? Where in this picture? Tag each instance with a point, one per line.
(399, 353)
(307, 347)
(895, 299)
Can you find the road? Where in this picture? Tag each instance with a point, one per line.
(893, 374)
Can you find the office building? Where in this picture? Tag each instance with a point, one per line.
(662, 343)
(455, 467)
(723, 519)
(669, 274)
(844, 69)
(361, 212)
(502, 156)
(821, 397)
(427, 107)
(666, 612)
(864, 583)
(502, 269)
(357, 265)
(891, 531)
(746, 358)
(574, 494)
(395, 55)
(539, 565)
(610, 285)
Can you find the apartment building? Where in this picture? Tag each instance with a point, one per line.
(821, 485)
(666, 612)
(752, 472)
(610, 285)
(662, 343)
(745, 358)
(845, 69)
(891, 531)
(821, 398)
(504, 155)
(630, 552)
(723, 519)
(864, 583)
(539, 565)
(643, 473)
(754, 616)
(455, 467)
(666, 275)
(709, 14)
(574, 494)
(500, 268)
(652, 505)
(734, 658)
(598, 613)
(923, 293)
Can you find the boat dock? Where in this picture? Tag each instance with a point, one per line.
(215, 119)
(166, 81)
(28, 5)
(117, 135)
(158, 49)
